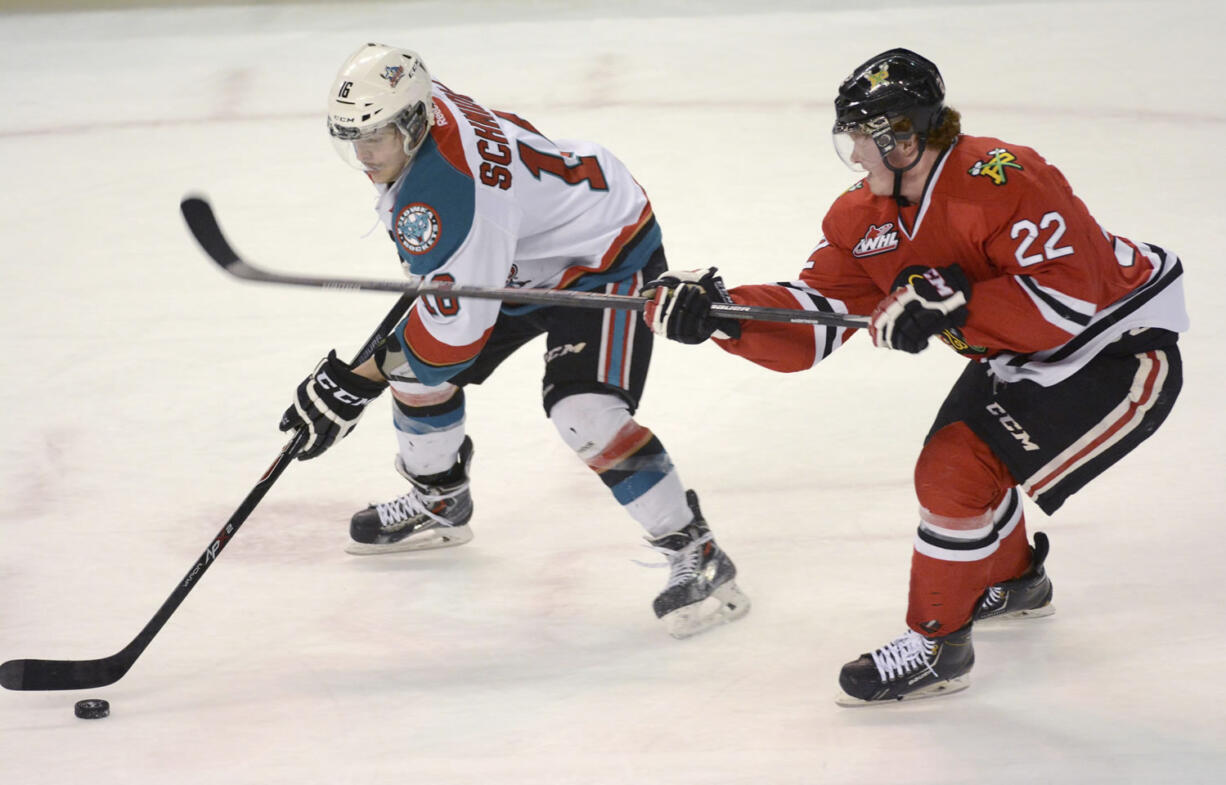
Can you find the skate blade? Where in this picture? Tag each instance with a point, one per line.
(428, 540)
(1031, 613)
(727, 603)
(947, 687)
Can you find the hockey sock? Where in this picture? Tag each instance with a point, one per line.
(951, 567)
(630, 460)
(968, 508)
(948, 575)
(1013, 555)
(429, 431)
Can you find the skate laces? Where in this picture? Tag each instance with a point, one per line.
(685, 561)
(995, 597)
(903, 656)
(412, 504)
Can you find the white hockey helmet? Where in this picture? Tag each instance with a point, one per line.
(377, 86)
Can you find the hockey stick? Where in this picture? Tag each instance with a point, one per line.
(203, 225)
(87, 674)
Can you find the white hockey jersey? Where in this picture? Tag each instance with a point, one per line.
(490, 201)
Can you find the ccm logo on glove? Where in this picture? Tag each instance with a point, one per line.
(338, 392)
(328, 404)
(930, 303)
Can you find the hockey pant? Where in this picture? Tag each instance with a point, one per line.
(992, 441)
(596, 364)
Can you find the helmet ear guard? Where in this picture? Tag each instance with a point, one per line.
(414, 123)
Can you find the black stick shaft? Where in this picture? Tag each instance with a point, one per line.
(32, 674)
(204, 227)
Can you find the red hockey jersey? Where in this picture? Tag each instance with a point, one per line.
(1050, 287)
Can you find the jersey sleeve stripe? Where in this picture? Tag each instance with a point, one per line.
(826, 339)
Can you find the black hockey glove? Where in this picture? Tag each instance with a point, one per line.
(680, 307)
(328, 405)
(930, 303)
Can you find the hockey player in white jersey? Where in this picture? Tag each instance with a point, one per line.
(482, 198)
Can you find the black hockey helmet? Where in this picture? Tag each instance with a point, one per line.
(894, 84)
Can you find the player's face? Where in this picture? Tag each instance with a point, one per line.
(381, 155)
(865, 156)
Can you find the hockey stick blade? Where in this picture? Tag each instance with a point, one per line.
(34, 674)
(198, 214)
(65, 674)
(31, 674)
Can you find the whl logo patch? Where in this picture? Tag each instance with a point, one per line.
(878, 239)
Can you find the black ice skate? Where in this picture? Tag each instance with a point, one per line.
(1026, 597)
(701, 591)
(434, 514)
(908, 668)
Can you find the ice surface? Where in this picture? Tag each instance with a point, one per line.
(143, 388)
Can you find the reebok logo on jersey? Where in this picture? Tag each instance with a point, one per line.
(417, 228)
(877, 240)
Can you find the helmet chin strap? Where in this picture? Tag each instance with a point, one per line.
(898, 173)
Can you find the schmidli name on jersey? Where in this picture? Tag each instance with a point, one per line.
(488, 200)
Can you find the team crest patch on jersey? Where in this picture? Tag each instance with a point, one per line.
(417, 228)
(995, 168)
(393, 74)
(877, 240)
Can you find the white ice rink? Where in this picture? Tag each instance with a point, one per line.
(142, 390)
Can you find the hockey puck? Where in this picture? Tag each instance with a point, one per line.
(92, 709)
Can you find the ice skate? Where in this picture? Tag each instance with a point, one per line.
(434, 514)
(1027, 597)
(701, 591)
(909, 668)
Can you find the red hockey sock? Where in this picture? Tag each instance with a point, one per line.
(967, 503)
(943, 593)
(1013, 554)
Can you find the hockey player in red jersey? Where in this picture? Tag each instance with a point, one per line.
(479, 197)
(1071, 333)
